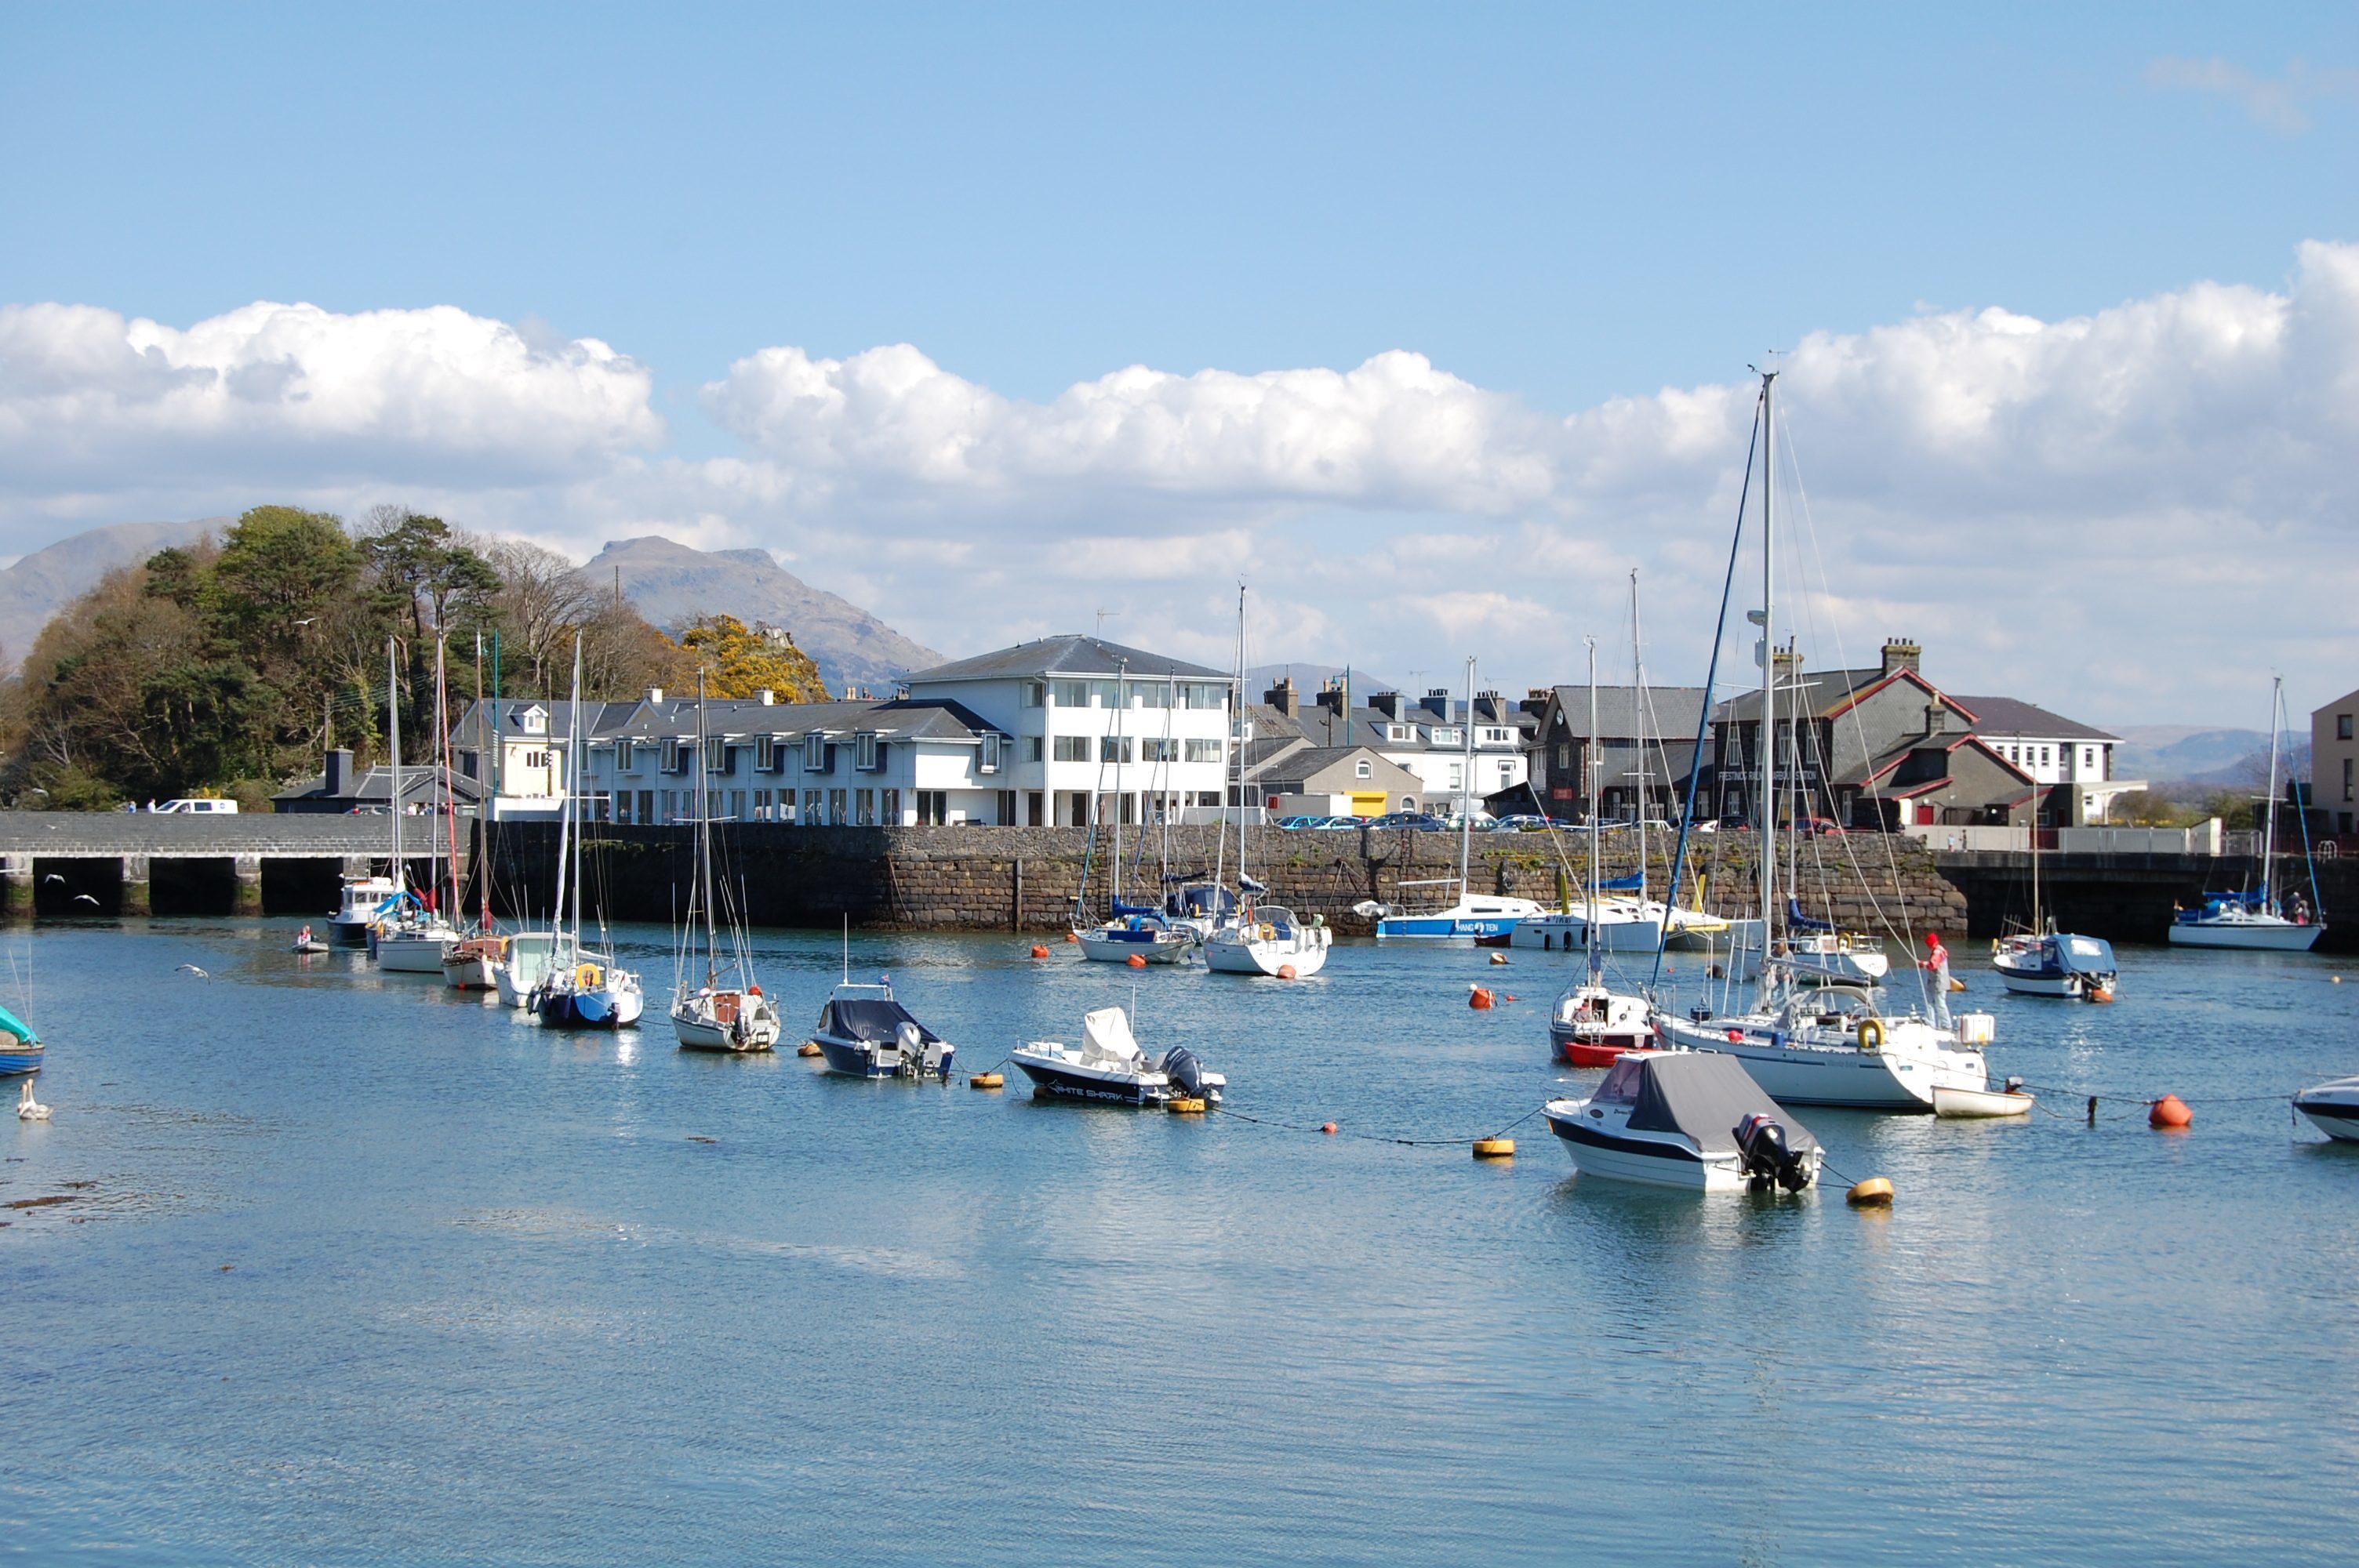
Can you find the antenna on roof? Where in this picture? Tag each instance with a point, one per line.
(1101, 618)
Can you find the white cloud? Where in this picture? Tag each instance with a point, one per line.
(2273, 102)
(2129, 515)
(292, 396)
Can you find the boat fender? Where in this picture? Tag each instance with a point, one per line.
(1498, 957)
(1873, 1192)
(1494, 1148)
(1285, 971)
(985, 1081)
(587, 977)
(1073, 936)
(1136, 962)
(1184, 1107)
(2170, 1113)
(1479, 997)
(1269, 933)
(1871, 1035)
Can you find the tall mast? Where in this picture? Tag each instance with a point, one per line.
(1121, 711)
(704, 833)
(483, 812)
(1769, 758)
(1638, 677)
(392, 745)
(449, 804)
(1466, 799)
(2269, 805)
(1589, 924)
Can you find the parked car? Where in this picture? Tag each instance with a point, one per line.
(1411, 822)
(196, 807)
(1527, 822)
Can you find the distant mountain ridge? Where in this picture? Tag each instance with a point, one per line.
(2189, 753)
(673, 583)
(41, 584)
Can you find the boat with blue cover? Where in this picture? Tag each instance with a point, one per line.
(865, 1033)
(20, 1048)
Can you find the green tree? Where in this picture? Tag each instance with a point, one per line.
(432, 577)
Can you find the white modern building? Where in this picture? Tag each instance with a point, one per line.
(1064, 730)
(2054, 750)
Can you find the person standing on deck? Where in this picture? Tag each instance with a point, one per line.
(1936, 961)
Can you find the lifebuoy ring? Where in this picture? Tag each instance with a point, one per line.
(588, 977)
(1269, 932)
(1871, 1035)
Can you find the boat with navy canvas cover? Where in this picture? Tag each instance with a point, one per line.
(579, 989)
(1686, 1120)
(865, 1033)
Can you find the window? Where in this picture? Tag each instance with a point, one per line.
(815, 753)
(535, 759)
(811, 807)
(864, 802)
(2342, 727)
(761, 806)
(990, 762)
(1072, 748)
(1204, 694)
(1203, 750)
(1507, 773)
(1400, 731)
(1361, 769)
(1035, 693)
(1033, 746)
(1159, 749)
(2047, 755)
(1105, 693)
(716, 755)
(2088, 757)
(1451, 737)
(1070, 692)
(1113, 749)
(1457, 775)
(835, 802)
(1006, 804)
(2346, 778)
(766, 754)
(737, 804)
(1150, 694)
(892, 808)
(647, 805)
(865, 752)
(673, 762)
(625, 761)
(933, 808)
(1564, 757)
(1032, 803)
(621, 806)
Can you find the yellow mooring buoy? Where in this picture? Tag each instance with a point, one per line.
(1873, 1192)
(809, 1048)
(1494, 1148)
(985, 1081)
(1184, 1107)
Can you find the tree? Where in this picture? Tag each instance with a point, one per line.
(277, 570)
(432, 577)
(543, 598)
(739, 663)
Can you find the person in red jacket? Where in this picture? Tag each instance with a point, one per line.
(1936, 961)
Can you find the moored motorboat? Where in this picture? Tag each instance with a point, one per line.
(365, 898)
(1592, 1026)
(1685, 1119)
(1966, 1103)
(865, 1033)
(1109, 1066)
(2056, 964)
(1146, 936)
(2333, 1108)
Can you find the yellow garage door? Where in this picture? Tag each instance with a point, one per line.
(1369, 804)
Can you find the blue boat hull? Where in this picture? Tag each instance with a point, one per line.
(1443, 927)
(577, 1009)
(18, 1058)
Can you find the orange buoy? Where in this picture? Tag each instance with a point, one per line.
(985, 1081)
(1073, 936)
(2100, 993)
(1479, 997)
(808, 1048)
(1328, 1128)
(1040, 950)
(1285, 971)
(1136, 962)
(1509, 996)
(1498, 957)
(2170, 1113)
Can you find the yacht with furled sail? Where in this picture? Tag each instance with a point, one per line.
(412, 936)
(1806, 1042)
(2256, 919)
(579, 989)
(1592, 1025)
(1140, 931)
(717, 1016)
(1480, 917)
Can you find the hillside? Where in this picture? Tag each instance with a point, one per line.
(2187, 753)
(671, 584)
(44, 582)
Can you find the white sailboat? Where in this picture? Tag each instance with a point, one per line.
(1592, 1026)
(1130, 931)
(713, 1016)
(2256, 920)
(579, 989)
(1821, 1044)
(1493, 916)
(411, 938)
(1265, 938)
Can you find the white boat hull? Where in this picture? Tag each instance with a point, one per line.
(2333, 1108)
(2254, 936)
(1793, 1073)
(1571, 934)
(410, 953)
(1306, 953)
(699, 1030)
(1982, 1104)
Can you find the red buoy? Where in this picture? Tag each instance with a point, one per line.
(1136, 962)
(2170, 1113)
(1477, 997)
(1285, 971)
(1328, 1128)
(1040, 950)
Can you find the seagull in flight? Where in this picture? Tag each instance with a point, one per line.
(53, 877)
(196, 971)
(85, 898)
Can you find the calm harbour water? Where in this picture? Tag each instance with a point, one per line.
(370, 1274)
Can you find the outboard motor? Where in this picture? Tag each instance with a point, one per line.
(1767, 1159)
(1179, 1065)
(911, 1042)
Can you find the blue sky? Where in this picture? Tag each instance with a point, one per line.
(1557, 207)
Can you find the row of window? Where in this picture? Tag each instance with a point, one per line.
(868, 755)
(2045, 755)
(1210, 696)
(838, 808)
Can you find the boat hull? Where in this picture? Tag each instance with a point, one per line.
(1844, 1077)
(2254, 936)
(1580, 1048)
(1556, 934)
(696, 1032)
(1959, 1103)
(18, 1058)
(1103, 948)
(1643, 1161)
(1257, 957)
(599, 1008)
(1059, 1082)
(414, 954)
(2338, 1122)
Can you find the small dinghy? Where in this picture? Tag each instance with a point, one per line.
(306, 943)
(1982, 1104)
(1109, 1066)
(2333, 1108)
(1689, 1119)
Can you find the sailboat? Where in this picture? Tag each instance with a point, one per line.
(2256, 919)
(579, 989)
(2044, 961)
(714, 1017)
(415, 938)
(475, 963)
(1492, 916)
(1131, 931)
(1806, 1045)
(1263, 939)
(1592, 1025)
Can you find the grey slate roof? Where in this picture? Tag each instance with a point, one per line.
(1069, 655)
(1819, 691)
(374, 786)
(903, 718)
(2005, 716)
(1629, 712)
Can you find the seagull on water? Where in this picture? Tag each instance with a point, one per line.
(196, 971)
(28, 1109)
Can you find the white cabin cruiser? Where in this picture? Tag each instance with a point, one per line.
(523, 965)
(2333, 1108)
(1109, 1066)
(864, 1033)
(1270, 940)
(1833, 1045)
(1686, 1120)
(2056, 964)
(363, 898)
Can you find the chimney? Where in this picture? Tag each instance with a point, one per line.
(1331, 697)
(1437, 702)
(654, 694)
(1391, 704)
(1284, 698)
(1937, 718)
(1900, 654)
(337, 775)
(1536, 700)
(1488, 706)
(765, 697)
